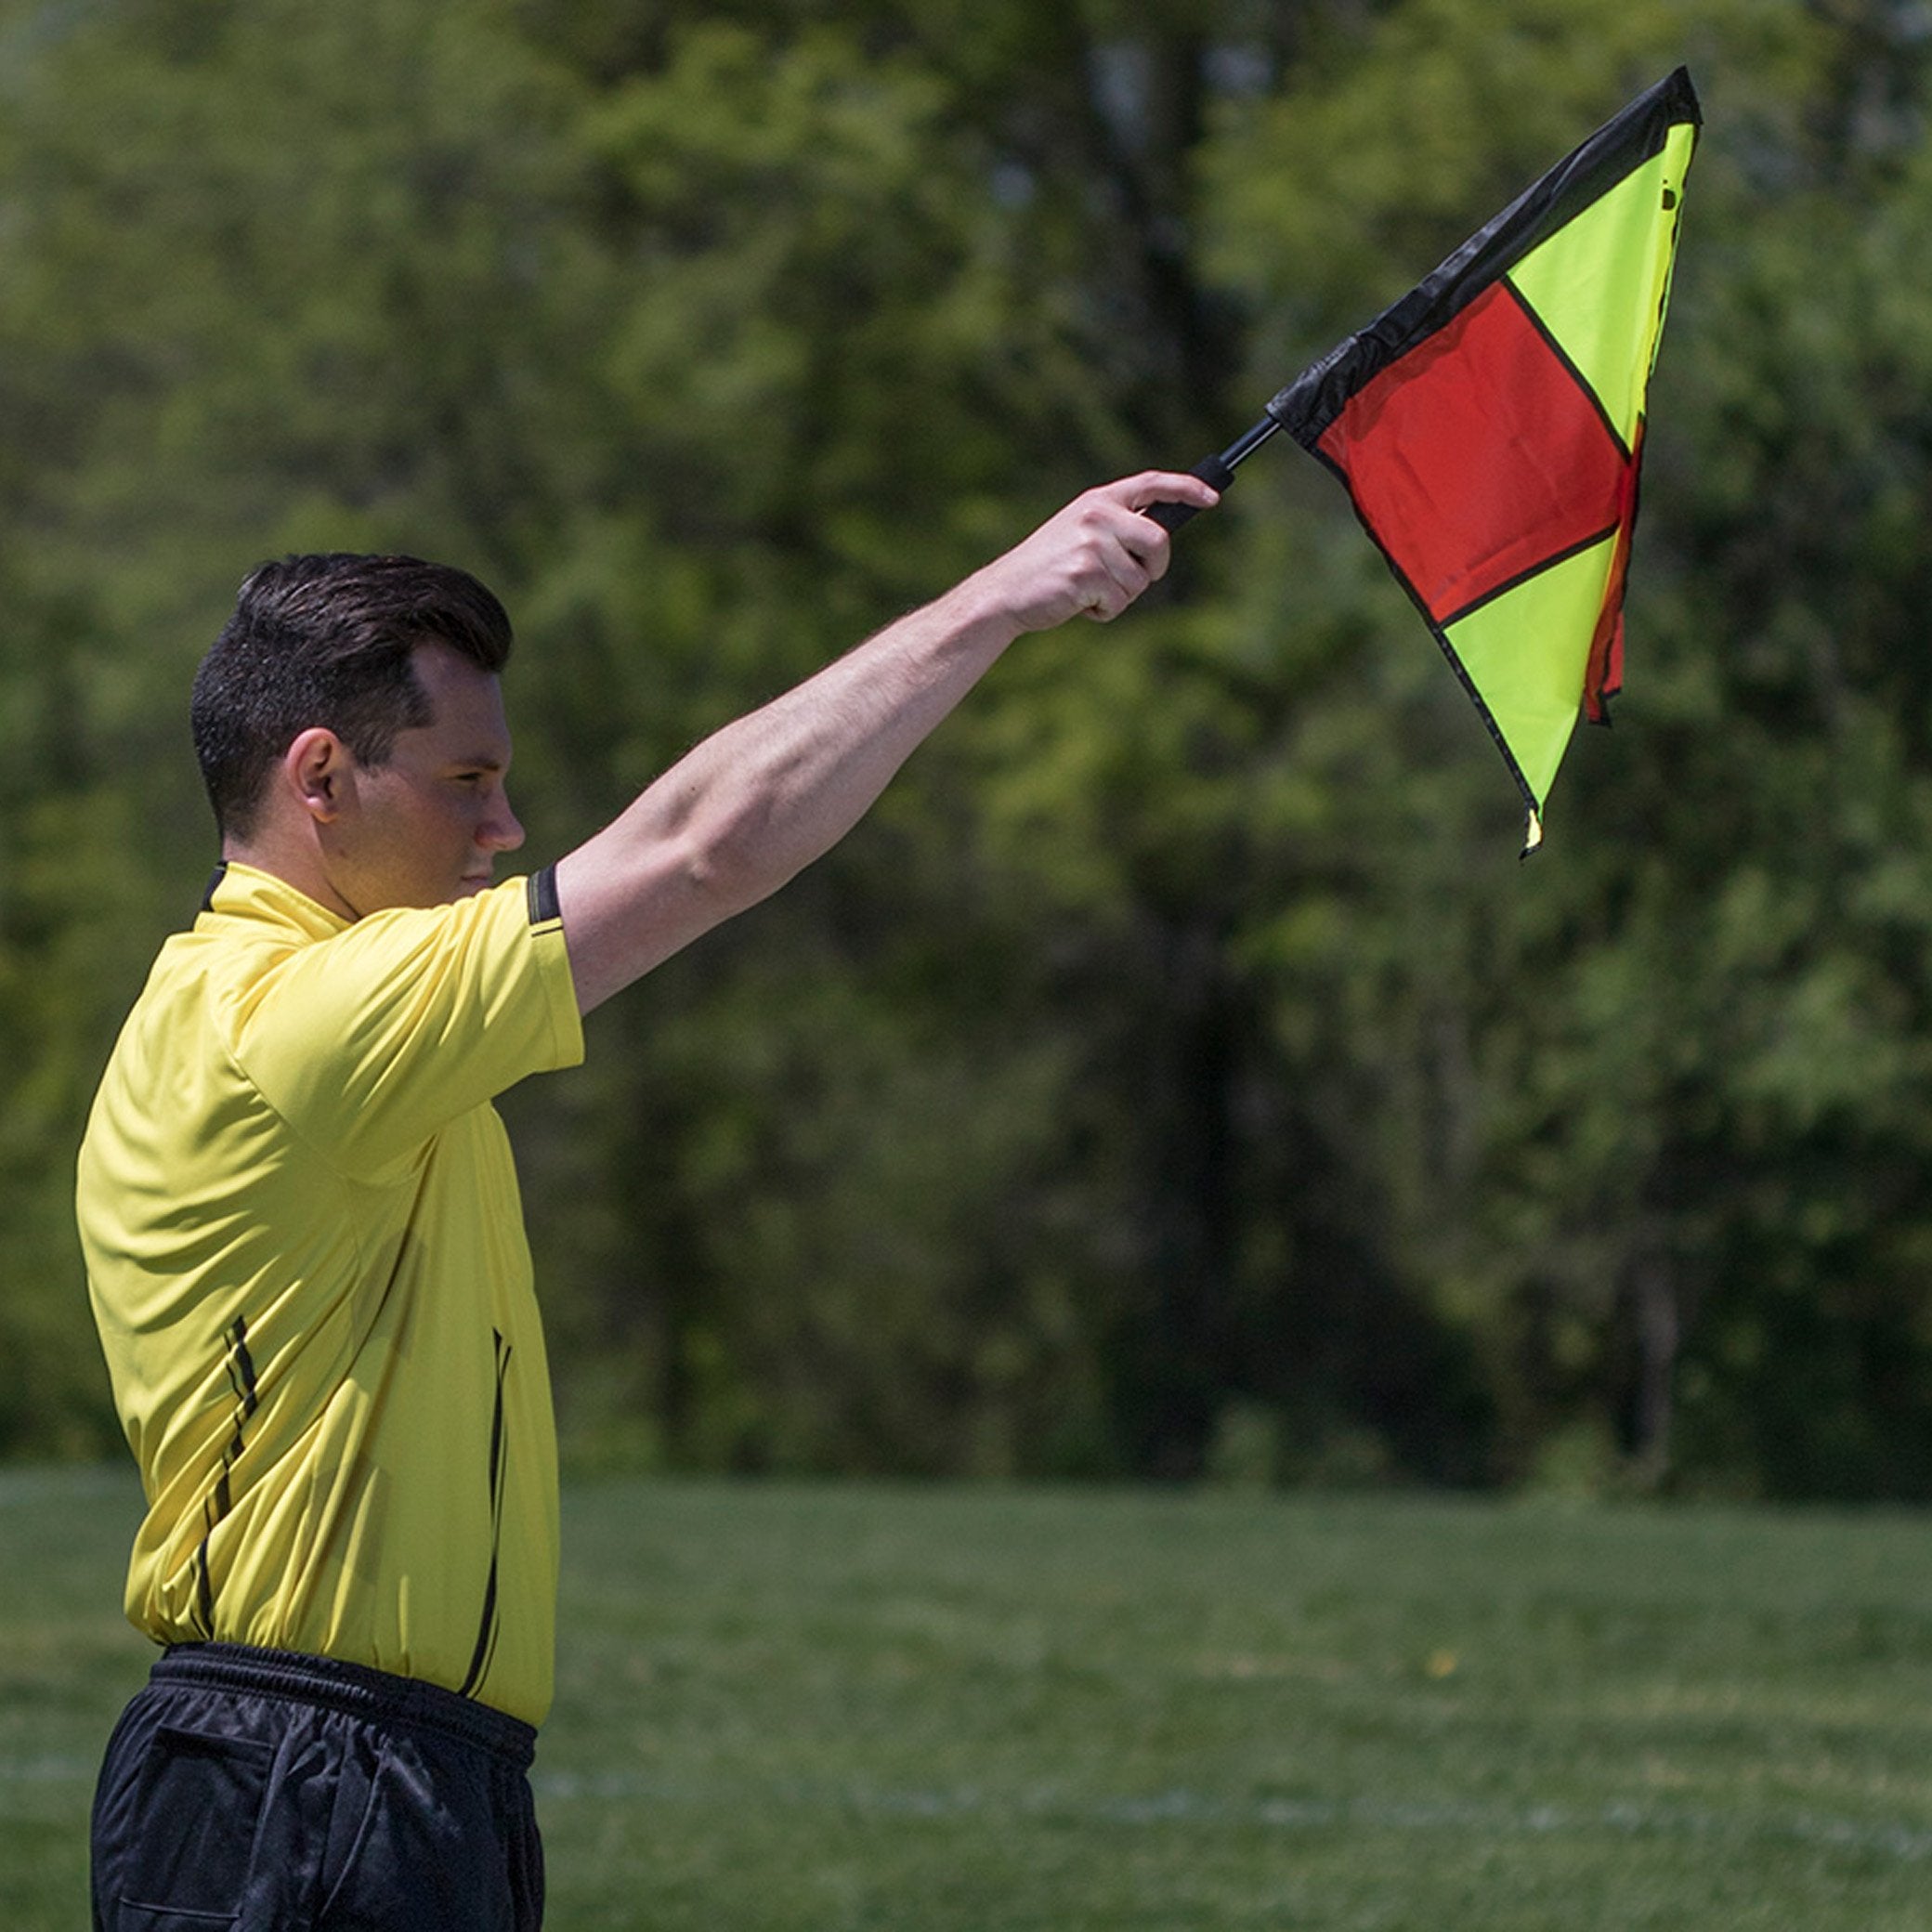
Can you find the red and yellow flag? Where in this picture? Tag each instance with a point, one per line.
(1489, 429)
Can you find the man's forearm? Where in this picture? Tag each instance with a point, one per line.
(754, 804)
(757, 801)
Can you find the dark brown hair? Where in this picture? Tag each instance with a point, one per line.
(326, 640)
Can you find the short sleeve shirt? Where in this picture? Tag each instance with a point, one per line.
(305, 1254)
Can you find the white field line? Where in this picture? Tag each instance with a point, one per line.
(1903, 1842)
(1906, 1843)
(50, 1769)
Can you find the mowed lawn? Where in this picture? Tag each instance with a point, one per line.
(871, 1706)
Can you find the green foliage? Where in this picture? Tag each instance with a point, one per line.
(1177, 1073)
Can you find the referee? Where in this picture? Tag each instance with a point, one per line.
(305, 1248)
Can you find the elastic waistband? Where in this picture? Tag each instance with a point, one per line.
(353, 1689)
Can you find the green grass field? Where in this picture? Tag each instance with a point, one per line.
(843, 1708)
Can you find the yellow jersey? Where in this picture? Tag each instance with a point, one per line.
(306, 1259)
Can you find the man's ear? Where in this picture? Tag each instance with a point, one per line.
(317, 769)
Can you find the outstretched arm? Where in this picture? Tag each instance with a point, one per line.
(756, 802)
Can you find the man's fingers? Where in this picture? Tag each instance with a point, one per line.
(1099, 553)
(1128, 563)
(1130, 548)
(1163, 487)
(1151, 486)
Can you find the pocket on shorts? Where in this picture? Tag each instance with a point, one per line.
(198, 1803)
(359, 1792)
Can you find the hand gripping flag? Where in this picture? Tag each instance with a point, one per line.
(1489, 429)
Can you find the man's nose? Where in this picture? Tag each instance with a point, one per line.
(502, 830)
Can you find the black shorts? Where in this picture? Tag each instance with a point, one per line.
(254, 1791)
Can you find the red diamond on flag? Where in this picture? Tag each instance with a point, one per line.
(1479, 457)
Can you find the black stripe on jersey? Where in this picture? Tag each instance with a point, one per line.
(487, 1628)
(546, 907)
(241, 1379)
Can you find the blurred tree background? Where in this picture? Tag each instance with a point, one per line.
(1179, 1075)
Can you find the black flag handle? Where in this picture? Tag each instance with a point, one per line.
(1214, 472)
(1217, 472)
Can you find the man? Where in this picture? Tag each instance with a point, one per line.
(299, 1212)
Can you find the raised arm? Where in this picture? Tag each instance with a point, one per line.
(756, 802)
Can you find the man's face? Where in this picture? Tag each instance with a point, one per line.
(427, 824)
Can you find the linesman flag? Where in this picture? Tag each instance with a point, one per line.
(1489, 429)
